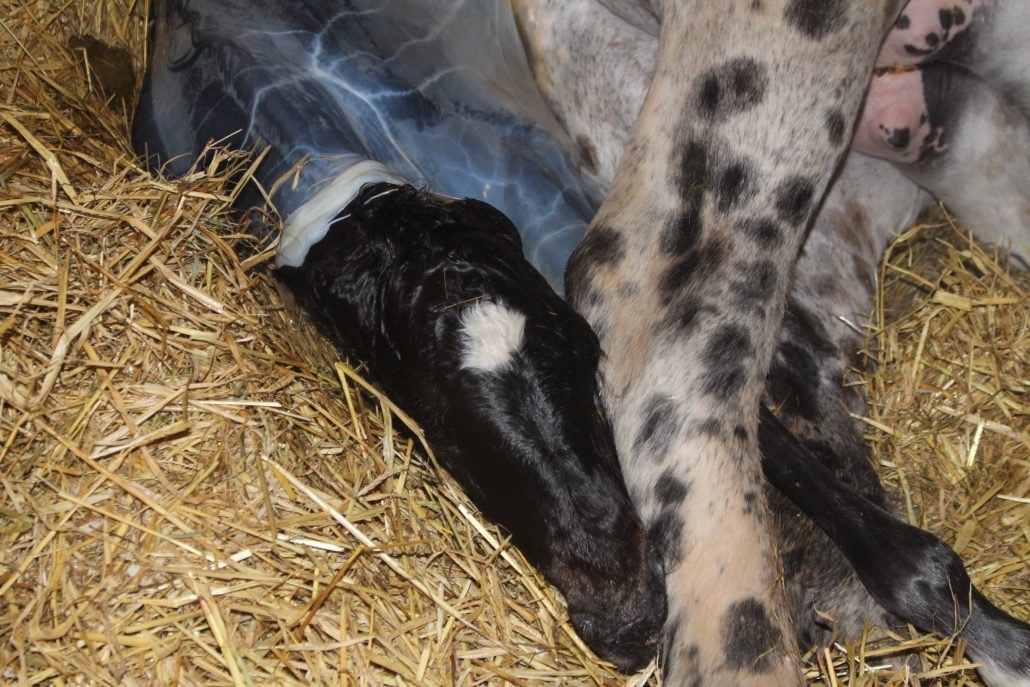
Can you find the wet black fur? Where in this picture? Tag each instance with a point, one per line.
(389, 283)
(911, 573)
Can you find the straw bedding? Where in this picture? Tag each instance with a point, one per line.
(193, 490)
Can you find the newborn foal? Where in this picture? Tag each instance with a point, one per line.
(432, 291)
(470, 340)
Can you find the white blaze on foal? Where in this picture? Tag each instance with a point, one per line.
(492, 334)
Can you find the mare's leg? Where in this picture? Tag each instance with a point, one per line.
(593, 68)
(684, 273)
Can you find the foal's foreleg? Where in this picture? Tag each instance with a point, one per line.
(821, 336)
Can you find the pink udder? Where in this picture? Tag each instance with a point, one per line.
(895, 124)
(924, 28)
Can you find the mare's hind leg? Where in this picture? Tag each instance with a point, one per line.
(833, 285)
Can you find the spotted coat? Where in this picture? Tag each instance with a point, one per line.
(688, 275)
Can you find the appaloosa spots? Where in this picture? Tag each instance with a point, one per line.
(659, 426)
(693, 168)
(724, 356)
(692, 179)
(711, 427)
(594, 298)
(753, 284)
(602, 246)
(736, 185)
(951, 34)
(682, 317)
(628, 289)
(666, 534)
(690, 657)
(899, 138)
(735, 86)
(669, 641)
(794, 199)
(749, 638)
(670, 490)
(816, 18)
(835, 126)
(677, 275)
(764, 231)
(681, 234)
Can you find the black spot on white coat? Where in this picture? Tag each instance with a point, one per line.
(753, 285)
(682, 232)
(836, 127)
(736, 185)
(764, 231)
(677, 276)
(794, 199)
(670, 490)
(750, 638)
(602, 246)
(725, 353)
(817, 18)
(733, 87)
(685, 314)
(659, 426)
(665, 532)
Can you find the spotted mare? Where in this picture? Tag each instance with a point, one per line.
(690, 274)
